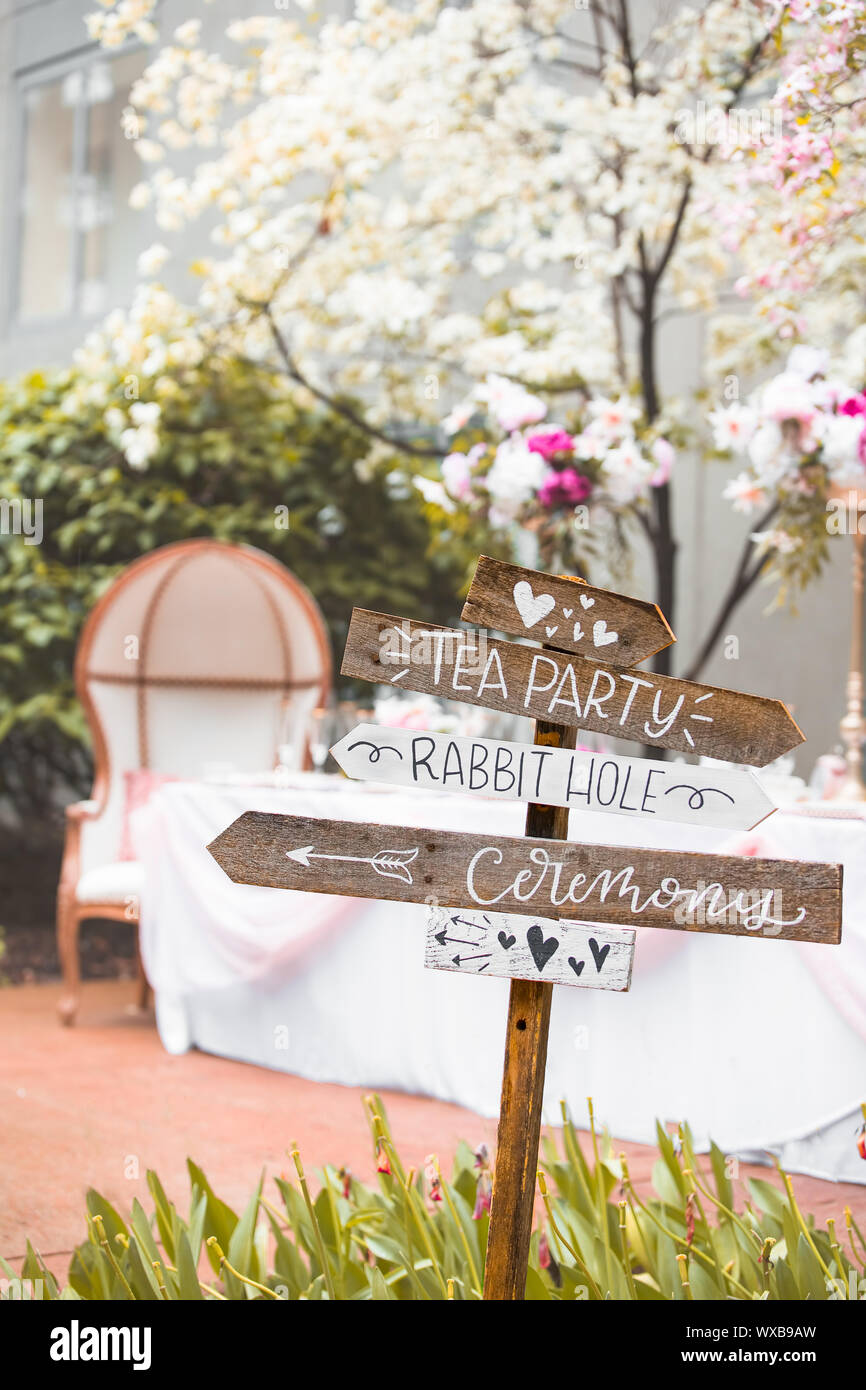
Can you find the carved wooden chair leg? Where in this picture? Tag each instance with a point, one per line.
(67, 948)
(144, 990)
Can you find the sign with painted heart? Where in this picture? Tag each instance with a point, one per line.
(599, 883)
(568, 614)
(470, 666)
(544, 909)
(732, 798)
(529, 948)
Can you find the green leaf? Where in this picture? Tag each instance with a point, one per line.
(379, 1291)
(768, 1198)
(187, 1276)
(219, 1221)
(811, 1278)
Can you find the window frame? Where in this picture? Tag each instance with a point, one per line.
(27, 80)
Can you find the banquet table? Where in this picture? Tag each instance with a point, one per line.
(759, 1044)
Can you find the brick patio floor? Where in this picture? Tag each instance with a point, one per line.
(79, 1106)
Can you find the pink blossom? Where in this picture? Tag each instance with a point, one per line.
(744, 492)
(511, 405)
(750, 846)
(663, 455)
(550, 443)
(456, 475)
(788, 397)
(855, 405)
(483, 1194)
(563, 489)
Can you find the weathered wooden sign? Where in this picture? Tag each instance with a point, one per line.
(600, 883)
(732, 798)
(500, 901)
(529, 948)
(654, 709)
(568, 614)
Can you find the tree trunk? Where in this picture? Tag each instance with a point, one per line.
(664, 544)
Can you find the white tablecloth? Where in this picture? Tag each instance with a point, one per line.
(759, 1044)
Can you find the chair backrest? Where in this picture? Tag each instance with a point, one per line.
(200, 656)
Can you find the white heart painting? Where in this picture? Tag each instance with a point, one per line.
(532, 607)
(586, 602)
(600, 635)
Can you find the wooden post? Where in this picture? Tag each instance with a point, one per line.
(522, 1088)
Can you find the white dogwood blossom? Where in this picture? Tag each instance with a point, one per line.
(374, 179)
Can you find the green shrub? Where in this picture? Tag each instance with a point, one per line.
(419, 1236)
(234, 450)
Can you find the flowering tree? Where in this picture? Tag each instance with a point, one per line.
(798, 222)
(424, 198)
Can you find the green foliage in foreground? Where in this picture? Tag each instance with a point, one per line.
(419, 1236)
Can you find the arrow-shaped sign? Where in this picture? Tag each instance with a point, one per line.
(557, 878)
(538, 948)
(715, 796)
(565, 613)
(552, 685)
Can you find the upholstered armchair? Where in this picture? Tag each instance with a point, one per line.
(201, 656)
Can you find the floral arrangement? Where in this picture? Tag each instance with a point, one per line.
(526, 471)
(800, 435)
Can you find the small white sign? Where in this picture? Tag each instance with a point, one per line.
(730, 798)
(529, 948)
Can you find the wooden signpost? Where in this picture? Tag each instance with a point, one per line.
(592, 622)
(553, 685)
(507, 906)
(674, 889)
(731, 798)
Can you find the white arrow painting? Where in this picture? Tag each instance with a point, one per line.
(390, 863)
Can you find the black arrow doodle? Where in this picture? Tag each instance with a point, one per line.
(463, 922)
(443, 936)
(459, 960)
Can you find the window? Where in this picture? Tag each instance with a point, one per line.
(78, 168)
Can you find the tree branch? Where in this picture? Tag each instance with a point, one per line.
(743, 580)
(334, 403)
